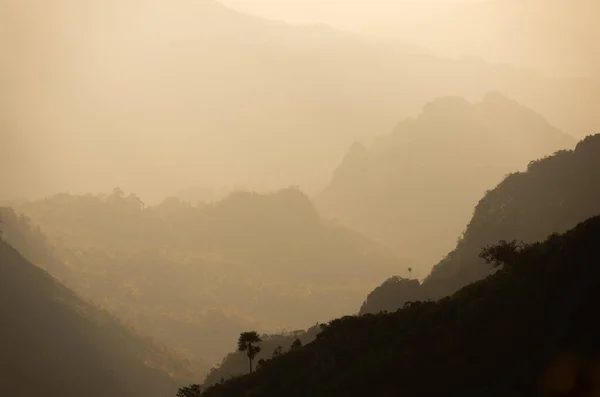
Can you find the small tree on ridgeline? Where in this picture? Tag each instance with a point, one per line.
(260, 363)
(189, 391)
(505, 253)
(297, 344)
(409, 271)
(277, 352)
(247, 342)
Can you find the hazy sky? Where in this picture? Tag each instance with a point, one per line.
(157, 96)
(346, 14)
(343, 1)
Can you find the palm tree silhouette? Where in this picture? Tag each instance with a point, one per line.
(247, 343)
(409, 271)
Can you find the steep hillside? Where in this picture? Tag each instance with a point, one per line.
(153, 96)
(195, 276)
(55, 344)
(272, 345)
(553, 195)
(508, 335)
(415, 188)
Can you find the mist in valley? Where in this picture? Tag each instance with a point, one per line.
(176, 174)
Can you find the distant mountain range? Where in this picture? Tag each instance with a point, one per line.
(415, 189)
(195, 276)
(159, 96)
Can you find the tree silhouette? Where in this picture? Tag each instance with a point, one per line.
(277, 352)
(260, 363)
(189, 391)
(118, 192)
(409, 271)
(297, 344)
(247, 342)
(504, 253)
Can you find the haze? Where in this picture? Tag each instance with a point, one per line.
(200, 168)
(141, 95)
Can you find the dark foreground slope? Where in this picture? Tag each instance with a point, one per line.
(236, 363)
(54, 344)
(494, 337)
(552, 196)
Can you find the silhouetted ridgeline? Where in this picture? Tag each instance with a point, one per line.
(195, 276)
(496, 337)
(54, 344)
(553, 195)
(415, 189)
(236, 363)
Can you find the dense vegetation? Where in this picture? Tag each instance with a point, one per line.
(553, 195)
(55, 344)
(496, 337)
(195, 276)
(415, 189)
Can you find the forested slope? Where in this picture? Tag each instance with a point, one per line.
(551, 196)
(497, 337)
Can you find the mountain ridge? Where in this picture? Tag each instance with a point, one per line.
(308, 88)
(398, 189)
(56, 344)
(260, 261)
(533, 312)
(551, 196)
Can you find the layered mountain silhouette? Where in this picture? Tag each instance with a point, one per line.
(415, 188)
(515, 333)
(195, 276)
(55, 344)
(170, 92)
(551, 196)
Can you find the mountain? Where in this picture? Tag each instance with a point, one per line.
(156, 96)
(55, 344)
(272, 345)
(414, 189)
(499, 31)
(195, 276)
(551, 196)
(526, 330)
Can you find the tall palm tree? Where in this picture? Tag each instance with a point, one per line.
(248, 343)
(409, 271)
